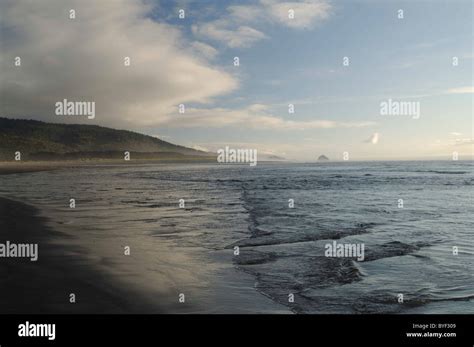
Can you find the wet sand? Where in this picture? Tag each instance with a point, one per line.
(68, 264)
(14, 167)
(45, 285)
(7, 168)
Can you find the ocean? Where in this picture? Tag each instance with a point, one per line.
(227, 235)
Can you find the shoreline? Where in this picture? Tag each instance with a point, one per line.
(66, 264)
(12, 167)
(44, 286)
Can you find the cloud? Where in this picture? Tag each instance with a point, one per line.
(205, 50)
(82, 59)
(374, 139)
(236, 31)
(455, 133)
(463, 142)
(255, 116)
(307, 13)
(245, 13)
(223, 31)
(461, 90)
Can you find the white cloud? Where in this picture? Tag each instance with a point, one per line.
(223, 31)
(205, 50)
(235, 30)
(461, 90)
(463, 142)
(82, 59)
(307, 13)
(255, 116)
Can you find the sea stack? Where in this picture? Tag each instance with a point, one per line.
(323, 158)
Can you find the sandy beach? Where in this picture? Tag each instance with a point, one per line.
(190, 249)
(100, 278)
(45, 285)
(14, 167)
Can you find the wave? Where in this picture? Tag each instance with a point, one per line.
(443, 172)
(392, 249)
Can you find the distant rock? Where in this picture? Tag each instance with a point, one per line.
(323, 158)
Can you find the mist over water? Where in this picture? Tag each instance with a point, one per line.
(408, 250)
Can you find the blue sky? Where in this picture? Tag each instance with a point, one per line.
(282, 61)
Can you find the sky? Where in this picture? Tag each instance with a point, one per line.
(336, 62)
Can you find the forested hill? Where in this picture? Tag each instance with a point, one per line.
(42, 141)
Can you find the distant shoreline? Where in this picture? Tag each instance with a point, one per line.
(15, 167)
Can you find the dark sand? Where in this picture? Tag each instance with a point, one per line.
(7, 168)
(43, 286)
(64, 267)
(13, 167)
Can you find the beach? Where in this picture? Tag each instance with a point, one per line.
(181, 224)
(15, 167)
(44, 286)
(67, 265)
